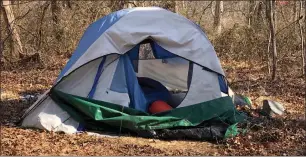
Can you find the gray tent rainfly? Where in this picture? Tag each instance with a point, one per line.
(106, 86)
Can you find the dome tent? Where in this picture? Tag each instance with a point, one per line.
(98, 89)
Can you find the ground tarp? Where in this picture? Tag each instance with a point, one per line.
(99, 115)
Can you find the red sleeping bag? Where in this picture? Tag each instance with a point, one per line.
(159, 106)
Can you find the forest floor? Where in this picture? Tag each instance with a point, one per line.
(282, 135)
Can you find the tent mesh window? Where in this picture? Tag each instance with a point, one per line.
(170, 75)
(145, 52)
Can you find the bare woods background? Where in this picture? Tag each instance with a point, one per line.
(267, 31)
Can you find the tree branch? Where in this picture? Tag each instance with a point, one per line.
(132, 3)
(301, 17)
(203, 11)
(11, 31)
(16, 4)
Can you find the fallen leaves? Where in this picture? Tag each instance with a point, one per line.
(18, 141)
(283, 135)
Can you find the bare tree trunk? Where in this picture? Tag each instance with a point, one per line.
(294, 16)
(274, 14)
(304, 56)
(169, 5)
(252, 5)
(176, 6)
(16, 48)
(268, 55)
(301, 36)
(1, 50)
(304, 59)
(271, 17)
(203, 12)
(131, 4)
(260, 20)
(283, 15)
(117, 5)
(218, 17)
(1, 108)
(54, 10)
(40, 32)
(67, 3)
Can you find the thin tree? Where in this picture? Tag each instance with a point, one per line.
(252, 7)
(304, 56)
(169, 5)
(304, 59)
(132, 4)
(218, 17)
(271, 18)
(116, 5)
(301, 36)
(9, 18)
(294, 14)
(55, 10)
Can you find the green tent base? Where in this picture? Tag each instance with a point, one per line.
(103, 116)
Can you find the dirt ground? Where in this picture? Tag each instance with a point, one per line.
(283, 135)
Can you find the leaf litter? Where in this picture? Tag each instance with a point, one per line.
(284, 135)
